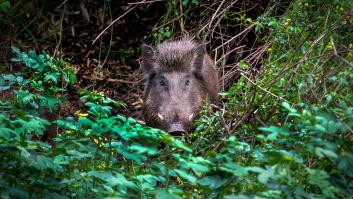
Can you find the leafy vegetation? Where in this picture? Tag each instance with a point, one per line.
(283, 131)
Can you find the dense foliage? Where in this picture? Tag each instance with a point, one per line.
(285, 130)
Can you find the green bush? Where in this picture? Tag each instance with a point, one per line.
(97, 154)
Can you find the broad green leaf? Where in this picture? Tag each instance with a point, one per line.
(185, 175)
(137, 148)
(47, 163)
(78, 154)
(163, 194)
(85, 121)
(321, 152)
(234, 168)
(213, 182)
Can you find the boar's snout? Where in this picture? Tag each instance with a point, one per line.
(175, 122)
(177, 128)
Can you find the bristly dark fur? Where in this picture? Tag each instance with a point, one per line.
(167, 55)
(176, 53)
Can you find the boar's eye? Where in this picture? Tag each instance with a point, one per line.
(161, 82)
(187, 82)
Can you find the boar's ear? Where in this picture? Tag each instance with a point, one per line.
(148, 55)
(199, 54)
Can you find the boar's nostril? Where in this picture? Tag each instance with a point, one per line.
(176, 128)
(173, 103)
(160, 116)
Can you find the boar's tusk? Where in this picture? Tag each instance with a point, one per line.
(190, 116)
(160, 116)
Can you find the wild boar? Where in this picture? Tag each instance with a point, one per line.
(179, 75)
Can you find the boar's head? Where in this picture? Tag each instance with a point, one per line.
(175, 85)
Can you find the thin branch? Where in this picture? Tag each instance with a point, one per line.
(143, 2)
(236, 36)
(336, 53)
(229, 52)
(181, 20)
(216, 15)
(266, 91)
(117, 19)
(119, 81)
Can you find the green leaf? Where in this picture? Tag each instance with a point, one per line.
(38, 85)
(320, 128)
(119, 179)
(72, 77)
(33, 125)
(274, 132)
(43, 162)
(51, 77)
(5, 6)
(6, 133)
(255, 169)
(2, 88)
(163, 194)
(264, 177)
(123, 150)
(179, 144)
(62, 160)
(53, 102)
(139, 149)
(321, 152)
(105, 176)
(185, 175)
(258, 26)
(273, 23)
(234, 168)
(243, 65)
(213, 182)
(85, 121)
(288, 107)
(148, 181)
(79, 155)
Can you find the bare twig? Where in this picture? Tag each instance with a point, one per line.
(130, 8)
(251, 59)
(61, 30)
(117, 19)
(143, 2)
(119, 81)
(84, 11)
(216, 15)
(231, 51)
(266, 91)
(181, 20)
(236, 36)
(336, 53)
